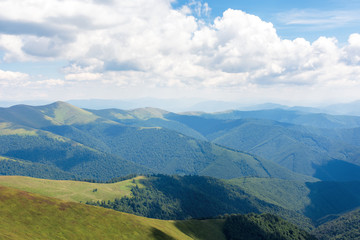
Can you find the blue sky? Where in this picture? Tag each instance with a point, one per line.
(341, 17)
(293, 52)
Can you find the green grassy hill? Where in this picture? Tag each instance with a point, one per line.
(161, 197)
(64, 113)
(42, 116)
(30, 216)
(26, 215)
(75, 191)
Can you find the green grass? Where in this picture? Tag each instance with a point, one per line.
(65, 113)
(30, 216)
(71, 190)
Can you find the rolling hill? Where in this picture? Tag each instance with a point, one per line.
(30, 216)
(168, 197)
(180, 197)
(44, 154)
(74, 191)
(161, 197)
(25, 215)
(89, 146)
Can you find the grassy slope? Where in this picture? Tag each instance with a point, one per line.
(71, 190)
(64, 113)
(222, 196)
(30, 216)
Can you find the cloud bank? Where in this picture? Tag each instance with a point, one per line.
(148, 43)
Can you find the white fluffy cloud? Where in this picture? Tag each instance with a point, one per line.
(9, 78)
(148, 43)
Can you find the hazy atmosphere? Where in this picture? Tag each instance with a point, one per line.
(292, 52)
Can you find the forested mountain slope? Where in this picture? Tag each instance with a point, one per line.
(346, 227)
(91, 146)
(317, 200)
(329, 154)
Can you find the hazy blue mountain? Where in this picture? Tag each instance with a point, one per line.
(352, 108)
(318, 120)
(175, 105)
(269, 106)
(214, 106)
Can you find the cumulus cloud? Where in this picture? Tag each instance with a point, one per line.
(148, 43)
(83, 76)
(48, 83)
(8, 78)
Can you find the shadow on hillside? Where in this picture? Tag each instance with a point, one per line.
(331, 198)
(206, 229)
(160, 235)
(337, 170)
(115, 130)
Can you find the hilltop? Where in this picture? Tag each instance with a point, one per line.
(25, 215)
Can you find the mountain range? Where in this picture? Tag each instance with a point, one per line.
(297, 163)
(90, 145)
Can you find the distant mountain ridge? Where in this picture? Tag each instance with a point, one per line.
(290, 138)
(115, 143)
(318, 145)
